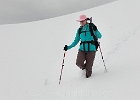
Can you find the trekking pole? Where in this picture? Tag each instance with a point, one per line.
(99, 47)
(62, 66)
(102, 58)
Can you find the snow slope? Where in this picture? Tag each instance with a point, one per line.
(31, 57)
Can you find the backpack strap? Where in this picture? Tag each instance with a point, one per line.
(79, 31)
(93, 27)
(88, 42)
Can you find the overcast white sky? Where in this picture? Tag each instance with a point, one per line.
(19, 11)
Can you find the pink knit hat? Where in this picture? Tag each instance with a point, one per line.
(81, 18)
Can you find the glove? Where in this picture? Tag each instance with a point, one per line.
(66, 48)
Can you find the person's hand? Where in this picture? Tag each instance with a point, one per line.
(66, 48)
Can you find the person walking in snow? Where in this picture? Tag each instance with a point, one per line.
(87, 48)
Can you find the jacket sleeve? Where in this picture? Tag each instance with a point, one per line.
(98, 34)
(75, 42)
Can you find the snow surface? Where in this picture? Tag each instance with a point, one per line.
(31, 57)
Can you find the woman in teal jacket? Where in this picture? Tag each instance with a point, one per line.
(87, 49)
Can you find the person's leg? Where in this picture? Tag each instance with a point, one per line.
(81, 56)
(89, 63)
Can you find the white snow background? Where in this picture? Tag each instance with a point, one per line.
(31, 57)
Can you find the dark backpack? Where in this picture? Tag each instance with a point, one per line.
(95, 42)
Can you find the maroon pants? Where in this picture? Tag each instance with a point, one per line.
(85, 60)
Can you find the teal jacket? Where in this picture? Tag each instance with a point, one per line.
(85, 37)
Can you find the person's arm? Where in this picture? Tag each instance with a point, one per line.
(75, 42)
(98, 34)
